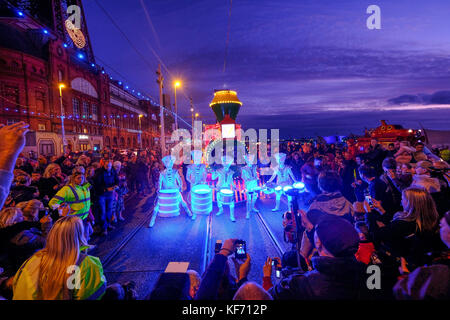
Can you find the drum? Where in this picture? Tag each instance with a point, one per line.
(201, 199)
(300, 186)
(169, 203)
(226, 196)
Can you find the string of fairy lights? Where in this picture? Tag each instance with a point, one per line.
(84, 119)
(89, 119)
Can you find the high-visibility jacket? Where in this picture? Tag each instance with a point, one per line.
(92, 280)
(77, 197)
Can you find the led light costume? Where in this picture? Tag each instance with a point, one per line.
(169, 184)
(225, 186)
(196, 173)
(285, 178)
(201, 193)
(249, 174)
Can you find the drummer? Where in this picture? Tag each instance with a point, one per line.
(250, 177)
(225, 183)
(170, 179)
(284, 177)
(196, 173)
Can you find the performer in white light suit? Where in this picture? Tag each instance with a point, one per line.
(285, 177)
(250, 176)
(196, 173)
(170, 179)
(225, 186)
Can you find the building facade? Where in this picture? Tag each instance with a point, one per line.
(45, 78)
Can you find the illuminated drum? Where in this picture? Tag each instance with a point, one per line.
(226, 196)
(201, 199)
(169, 203)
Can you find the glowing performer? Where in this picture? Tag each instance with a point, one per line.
(196, 173)
(170, 179)
(225, 186)
(284, 176)
(250, 176)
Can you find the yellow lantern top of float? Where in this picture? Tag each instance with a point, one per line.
(225, 96)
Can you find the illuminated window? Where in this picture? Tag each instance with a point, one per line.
(76, 106)
(94, 112)
(85, 109)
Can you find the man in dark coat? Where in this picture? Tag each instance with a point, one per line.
(336, 275)
(105, 182)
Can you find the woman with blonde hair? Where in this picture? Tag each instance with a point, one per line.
(10, 216)
(413, 231)
(60, 271)
(52, 180)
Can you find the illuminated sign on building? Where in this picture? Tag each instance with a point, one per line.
(83, 137)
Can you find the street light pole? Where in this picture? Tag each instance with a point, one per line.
(63, 133)
(192, 114)
(176, 85)
(161, 110)
(140, 131)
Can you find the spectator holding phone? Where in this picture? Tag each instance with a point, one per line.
(217, 284)
(429, 282)
(413, 231)
(336, 273)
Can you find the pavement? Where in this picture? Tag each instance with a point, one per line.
(135, 252)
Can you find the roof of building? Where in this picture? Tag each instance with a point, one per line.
(31, 42)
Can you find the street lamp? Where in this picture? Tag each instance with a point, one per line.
(63, 133)
(140, 130)
(192, 114)
(176, 85)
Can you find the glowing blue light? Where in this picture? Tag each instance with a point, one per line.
(278, 188)
(80, 56)
(103, 71)
(169, 212)
(65, 45)
(299, 185)
(120, 83)
(126, 87)
(92, 65)
(20, 13)
(45, 31)
(287, 188)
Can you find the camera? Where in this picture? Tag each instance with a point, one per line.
(240, 252)
(369, 201)
(218, 246)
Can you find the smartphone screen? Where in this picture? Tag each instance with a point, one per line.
(241, 252)
(278, 273)
(369, 201)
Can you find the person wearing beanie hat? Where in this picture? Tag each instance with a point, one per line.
(336, 237)
(336, 273)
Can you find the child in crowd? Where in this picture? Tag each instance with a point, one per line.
(366, 247)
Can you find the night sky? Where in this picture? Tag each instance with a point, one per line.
(306, 67)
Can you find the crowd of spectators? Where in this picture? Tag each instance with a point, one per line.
(37, 195)
(387, 207)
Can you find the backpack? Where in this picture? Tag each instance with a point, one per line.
(289, 227)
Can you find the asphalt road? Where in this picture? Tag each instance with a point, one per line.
(135, 252)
